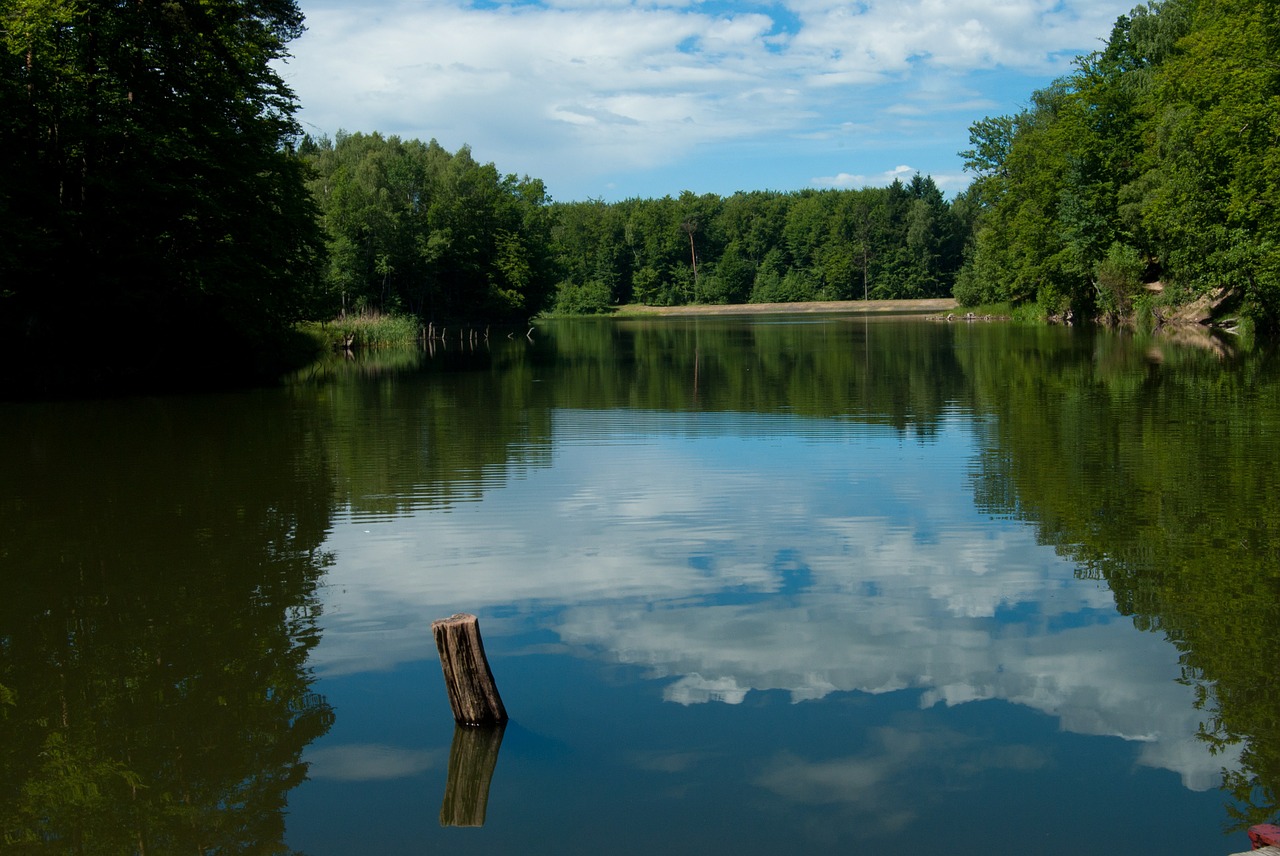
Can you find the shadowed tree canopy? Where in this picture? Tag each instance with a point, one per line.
(152, 213)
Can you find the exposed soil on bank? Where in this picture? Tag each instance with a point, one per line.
(852, 307)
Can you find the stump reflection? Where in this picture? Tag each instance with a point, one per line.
(472, 757)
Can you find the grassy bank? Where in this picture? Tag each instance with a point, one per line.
(366, 330)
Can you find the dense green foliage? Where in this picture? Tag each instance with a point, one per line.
(901, 241)
(1155, 159)
(412, 228)
(151, 206)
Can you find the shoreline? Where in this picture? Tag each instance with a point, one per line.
(923, 306)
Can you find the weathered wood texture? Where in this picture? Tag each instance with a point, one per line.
(472, 758)
(473, 695)
(1270, 850)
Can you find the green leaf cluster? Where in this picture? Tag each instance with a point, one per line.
(900, 241)
(1159, 148)
(412, 228)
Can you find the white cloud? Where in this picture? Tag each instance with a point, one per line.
(579, 88)
(845, 180)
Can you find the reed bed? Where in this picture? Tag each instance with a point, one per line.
(366, 330)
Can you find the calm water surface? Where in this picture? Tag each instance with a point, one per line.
(819, 585)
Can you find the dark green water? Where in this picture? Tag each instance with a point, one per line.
(824, 585)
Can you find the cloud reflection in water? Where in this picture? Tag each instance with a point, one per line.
(731, 554)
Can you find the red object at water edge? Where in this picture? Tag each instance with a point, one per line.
(1264, 834)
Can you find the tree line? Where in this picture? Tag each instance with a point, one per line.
(162, 202)
(901, 241)
(413, 228)
(164, 214)
(1156, 159)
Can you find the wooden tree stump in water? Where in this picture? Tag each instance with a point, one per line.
(473, 695)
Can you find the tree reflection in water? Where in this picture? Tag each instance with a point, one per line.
(154, 652)
(1154, 471)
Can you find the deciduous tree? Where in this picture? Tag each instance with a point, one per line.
(153, 202)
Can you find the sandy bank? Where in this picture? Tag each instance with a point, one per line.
(854, 307)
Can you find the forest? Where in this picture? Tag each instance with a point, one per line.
(1155, 160)
(413, 228)
(163, 210)
(900, 241)
(153, 217)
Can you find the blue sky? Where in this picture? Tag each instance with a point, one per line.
(613, 99)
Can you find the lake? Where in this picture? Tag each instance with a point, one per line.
(820, 584)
